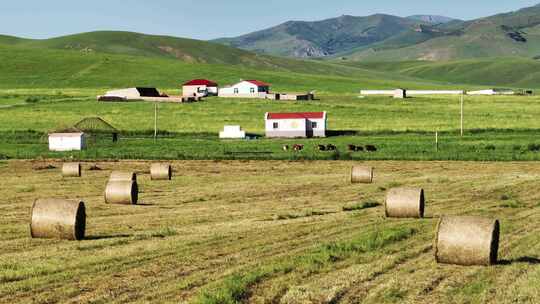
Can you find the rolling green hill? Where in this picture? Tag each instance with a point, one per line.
(128, 43)
(515, 34)
(323, 38)
(389, 38)
(512, 71)
(28, 67)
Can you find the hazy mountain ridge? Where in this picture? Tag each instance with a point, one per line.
(323, 38)
(385, 37)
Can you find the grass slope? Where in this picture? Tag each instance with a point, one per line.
(25, 67)
(513, 72)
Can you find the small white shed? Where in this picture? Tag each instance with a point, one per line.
(232, 132)
(61, 142)
(296, 125)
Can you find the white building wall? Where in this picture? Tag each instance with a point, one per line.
(243, 89)
(433, 92)
(378, 92)
(232, 132)
(66, 142)
(130, 93)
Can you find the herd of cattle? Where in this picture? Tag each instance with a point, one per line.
(330, 147)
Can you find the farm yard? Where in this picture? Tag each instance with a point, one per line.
(496, 127)
(259, 232)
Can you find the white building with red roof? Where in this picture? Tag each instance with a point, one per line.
(199, 88)
(296, 125)
(246, 89)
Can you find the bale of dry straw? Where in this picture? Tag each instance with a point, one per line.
(122, 176)
(405, 203)
(467, 240)
(161, 171)
(71, 170)
(362, 174)
(122, 192)
(58, 218)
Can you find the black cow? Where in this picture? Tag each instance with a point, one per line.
(371, 148)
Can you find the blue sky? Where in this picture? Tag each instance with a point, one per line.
(207, 19)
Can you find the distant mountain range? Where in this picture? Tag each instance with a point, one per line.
(377, 37)
(390, 38)
(432, 19)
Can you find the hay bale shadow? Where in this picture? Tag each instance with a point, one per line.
(106, 237)
(521, 260)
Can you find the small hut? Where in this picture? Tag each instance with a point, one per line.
(96, 127)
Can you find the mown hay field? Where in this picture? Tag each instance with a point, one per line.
(268, 232)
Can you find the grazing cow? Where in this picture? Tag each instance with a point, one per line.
(321, 147)
(354, 148)
(371, 148)
(285, 148)
(331, 148)
(298, 148)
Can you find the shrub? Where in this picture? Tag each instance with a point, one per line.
(490, 147)
(533, 147)
(32, 99)
(517, 147)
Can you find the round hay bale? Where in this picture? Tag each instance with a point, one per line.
(467, 241)
(405, 203)
(58, 219)
(160, 171)
(123, 176)
(71, 170)
(362, 175)
(122, 192)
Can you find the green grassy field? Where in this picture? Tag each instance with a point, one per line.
(505, 72)
(496, 128)
(268, 232)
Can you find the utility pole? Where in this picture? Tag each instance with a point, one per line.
(155, 121)
(436, 141)
(462, 114)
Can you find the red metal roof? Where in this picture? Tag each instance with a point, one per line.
(300, 115)
(197, 82)
(258, 83)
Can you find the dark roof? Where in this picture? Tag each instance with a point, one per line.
(201, 82)
(95, 124)
(148, 92)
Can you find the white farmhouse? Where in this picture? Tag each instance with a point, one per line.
(62, 142)
(246, 89)
(293, 125)
(232, 132)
